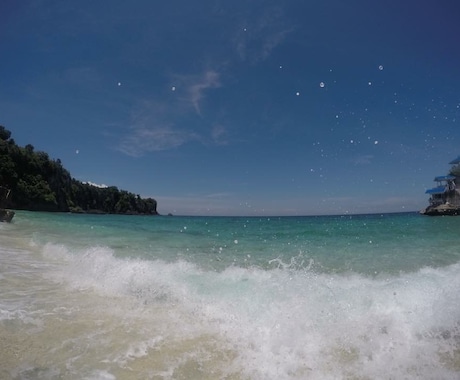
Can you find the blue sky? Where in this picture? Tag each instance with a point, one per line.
(239, 107)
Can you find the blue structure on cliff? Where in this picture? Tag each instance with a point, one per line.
(445, 197)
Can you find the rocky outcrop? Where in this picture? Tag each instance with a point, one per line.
(6, 215)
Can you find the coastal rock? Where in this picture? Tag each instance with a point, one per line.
(6, 215)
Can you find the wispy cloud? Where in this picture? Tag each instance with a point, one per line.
(257, 38)
(209, 80)
(154, 138)
(195, 86)
(158, 124)
(219, 135)
(363, 159)
(153, 127)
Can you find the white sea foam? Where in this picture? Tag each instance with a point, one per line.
(282, 323)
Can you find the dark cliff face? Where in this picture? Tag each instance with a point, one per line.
(36, 182)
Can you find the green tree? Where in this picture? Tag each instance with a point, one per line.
(40, 183)
(4, 133)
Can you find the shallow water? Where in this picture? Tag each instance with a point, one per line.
(125, 297)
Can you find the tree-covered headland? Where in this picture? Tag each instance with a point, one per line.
(38, 183)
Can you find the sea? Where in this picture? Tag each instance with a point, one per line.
(169, 297)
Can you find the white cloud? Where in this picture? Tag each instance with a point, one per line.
(197, 85)
(219, 135)
(154, 138)
(155, 125)
(261, 35)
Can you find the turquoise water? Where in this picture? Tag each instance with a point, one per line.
(129, 297)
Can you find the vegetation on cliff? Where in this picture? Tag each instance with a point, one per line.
(39, 183)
